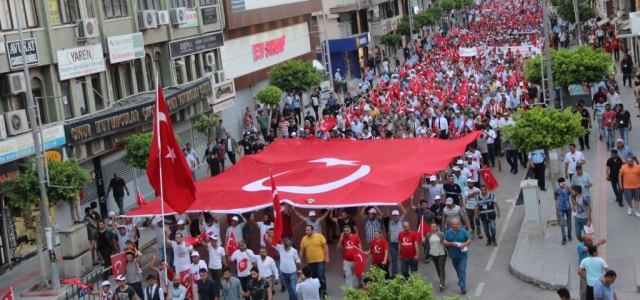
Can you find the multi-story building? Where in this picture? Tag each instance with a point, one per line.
(93, 67)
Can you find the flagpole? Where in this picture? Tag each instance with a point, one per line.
(164, 230)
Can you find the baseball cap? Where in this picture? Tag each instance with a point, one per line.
(460, 161)
(372, 210)
(469, 156)
(469, 180)
(235, 218)
(214, 237)
(437, 197)
(158, 219)
(121, 226)
(433, 177)
(449, 201)
(312, 213)
(195, 253)
(120, 278)
(395, 213)
(106, 283)
(111, 214)
(181, 222)
(455, 168)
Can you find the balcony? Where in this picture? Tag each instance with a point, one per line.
(341, 6)
(384, 26)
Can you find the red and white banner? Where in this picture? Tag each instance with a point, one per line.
(9, 295)
(187, 281)
(488, 178)
(277, 214)
(118, 264)
(140, 199)
(232, 244)
(359, 261)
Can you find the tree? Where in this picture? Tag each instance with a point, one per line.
(270, 96)
(395, 288)
(584, 64)
(206, 124)
(137, 150)
(547, 129)
(295, 76)
(567, 13)
(390, 40)
(404, 27)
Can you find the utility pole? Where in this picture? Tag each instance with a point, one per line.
(578, 27)
(547, 51)
(327, 52)
(410, 7)
(35, 130)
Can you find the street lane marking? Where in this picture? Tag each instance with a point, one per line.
(479, 290)
(494, 253)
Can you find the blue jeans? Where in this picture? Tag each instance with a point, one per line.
(490, 230)
(565, 218)
(290, 281)
(193, 174)
(610, 135)
(393, 251)
(161, 253)
(624, 135)
(600, 128)
(460, 265)
(317, 271)
(408, 263)
(120, 203)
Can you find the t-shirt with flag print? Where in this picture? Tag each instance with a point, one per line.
(349, 244)
(243, 261)
(377, 248)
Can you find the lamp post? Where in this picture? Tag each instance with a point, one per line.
(547, 52)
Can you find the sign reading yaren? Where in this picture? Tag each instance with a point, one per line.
(81, 61)
(269, 48)
(91, 128)
(14, 53)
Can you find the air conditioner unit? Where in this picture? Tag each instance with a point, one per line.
(86, 29)
(219, 76)
(97, 146)
(209, 60)
(80, 152)
(189, 112)
(13, 84)
(200, 106)
(163, 17)
(16, 122)
(178, 15)
(147, 19)
(3, 128)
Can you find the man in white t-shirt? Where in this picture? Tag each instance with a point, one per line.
(432, 190)
(263, 226)
(194, 269)
(475, 154)
(210, 225)
(572, 160)
(217, 259)
(463, 169)
(191, 162)
(245, 260)
(181, 253)
(474, 168)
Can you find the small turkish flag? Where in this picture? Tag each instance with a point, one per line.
(141, 201)
(186, 281)
(277, 213)
(232, 244)
(423, 228)
(194, 241)
(78, 282)
(327, 124)
(9, 295)
(359, 262)
(118, 264)
(488, 178)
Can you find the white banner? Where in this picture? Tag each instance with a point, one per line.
(467, 52)
(523, 50)
(81, 61)
(125, 47)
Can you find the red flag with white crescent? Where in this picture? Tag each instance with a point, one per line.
(77, 281)
(187, 281)
(488, 178)
(140, 199)
(9, 295)
(232, 244)
(359, 261)
(118, 264)
(277, 214)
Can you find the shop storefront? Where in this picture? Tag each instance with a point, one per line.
(346, 54)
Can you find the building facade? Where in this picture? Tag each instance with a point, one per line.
(93, 67)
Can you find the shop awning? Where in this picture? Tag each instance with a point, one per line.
(351, 43)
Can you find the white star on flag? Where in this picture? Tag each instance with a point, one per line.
(171, 154)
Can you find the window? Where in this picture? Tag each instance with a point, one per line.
(198, 65)
(82, 97)
(114, 8)
(316, 30)
(150, 73)
(9, 19)
(117, 84)
(149, 5)
(137, 68)
(69, 11)
(66, 99)
(97, 91)
(178, 70)
(128, 81)
(188, 67)
(158, 70)
(181, 3)
(208, 2)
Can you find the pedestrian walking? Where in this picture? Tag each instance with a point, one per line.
(583, 252)
(608, 123)
(395, 227)
(581, 209)
(408, 249)
(614, 163)
(562, 195)
(487, 209)
(571, 160)
(349, 242)
(379, 250)
(307, 285)
(245, 263)
(258, 287)
(231, 287)
(438, 252)
(583, 180)
(471, 200)
(592, 268)
(458, 240)
(119, 186)
(290, 266)
(629, 178)
(315, 246)
(603, 288)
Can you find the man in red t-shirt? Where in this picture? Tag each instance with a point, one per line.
(607, 46)
(379, 249)
(608, 117)
(349, 242)
(616, 48)
(408, 249)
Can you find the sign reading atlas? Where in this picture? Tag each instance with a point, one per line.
(134, 116)
(81, 61)
(269, 48)
(14, 53)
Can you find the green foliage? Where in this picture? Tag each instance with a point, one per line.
(558, 2)
(428, 17)
(137, 150)
(567, 13)
(547, 129)
(206, 124)
(392, 289)
(24, 188)
(447, 5)
(295, 76)
(404, 27)
(584, 64)
(390, 40)
(271, 95)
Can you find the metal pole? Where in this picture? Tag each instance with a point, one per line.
(547, 51)
(410, 21)
(35, 130)
(577, 14)
(326, 39)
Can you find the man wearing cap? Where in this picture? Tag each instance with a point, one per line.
(453, 212)
(122, 235)
(395, 227)
(123, 291)
(538, 165)
(217, 258)
(133, 273)
(432, 190)
(181, 252)
(104, 292)
(181, 228)
(209, 223)
(195, 267)
(105, 242)
(471, 200)
(313, 219)
(372, 219)
(461, 180)
(236, 227)
(153, 290)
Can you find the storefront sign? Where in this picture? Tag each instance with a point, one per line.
(9, 170)
(129, 117)
(223, 92)
(54, 155)
(209, 15)
(54, 12)
(22, 146)
(14, 53)
(192, 20)
(81, 61)
(224, 105)
(195, 45)
(269, 48)
(125, 47)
